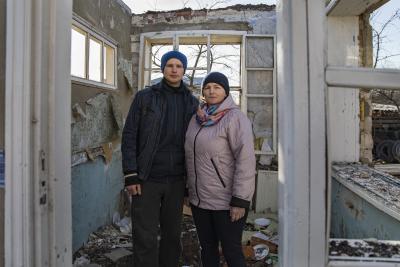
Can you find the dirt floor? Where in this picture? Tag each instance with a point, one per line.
(112, 246)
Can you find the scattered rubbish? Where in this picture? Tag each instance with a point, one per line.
(106, 240)
(260, 236)
(367, 248)
(124, 224)
(248, 252)
(81, 261)
(110, 247)
(379, 185)
(260, 251)
(117, 254)
(272, 244)
(262, 222)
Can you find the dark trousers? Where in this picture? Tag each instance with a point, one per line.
(159, 207)
(214, 226)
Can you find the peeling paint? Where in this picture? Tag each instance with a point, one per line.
(98, 126)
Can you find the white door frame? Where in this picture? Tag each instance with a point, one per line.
(301, 27)
(38, 97)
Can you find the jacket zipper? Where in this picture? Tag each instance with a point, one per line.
(195, 169)
(157, 138)
(219, 175)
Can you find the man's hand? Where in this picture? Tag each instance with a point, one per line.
(236, 213)
(134, 189)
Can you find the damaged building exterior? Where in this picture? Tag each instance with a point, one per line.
(98, 109)
(54, 199)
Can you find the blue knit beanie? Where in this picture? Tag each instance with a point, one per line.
(216, 77)
(173, 54)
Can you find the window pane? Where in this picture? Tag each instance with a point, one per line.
(156, 77)
(226, 59)
(260, 52)
(260, 113)
(236, 97)
(94, 60)
(157, 51)
(196, 55)
(109, 61)
(193, 79)
(78, 53)
(260, 82)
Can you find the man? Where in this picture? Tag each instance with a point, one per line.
(154, 163)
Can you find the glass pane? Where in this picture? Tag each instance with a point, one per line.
(259, 52)
(260, 82)
(94, 60)
(157, 51)
(109, 65)
(196, 55)
(78, 53)
(156, 77)
(385, 23)
(226, 59)
(193, 79)
(260, 113)
(236, 96)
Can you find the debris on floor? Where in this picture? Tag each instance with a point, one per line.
(103, 247)
(112, 245)
(377, 184)
(367, 248)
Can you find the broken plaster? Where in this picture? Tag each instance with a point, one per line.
(126, 67)
(101, 123)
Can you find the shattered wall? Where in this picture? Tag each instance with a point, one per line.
(366, 55)
(257, 19)
(253, 19)
(97, 121)
(2, 117)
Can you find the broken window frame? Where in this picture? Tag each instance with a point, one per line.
(92, 34)
(147, 40)
(38, 225)
(304, 136)
(246, 96)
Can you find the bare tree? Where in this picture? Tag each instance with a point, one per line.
(380, 38)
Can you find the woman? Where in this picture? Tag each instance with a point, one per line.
(220, 164)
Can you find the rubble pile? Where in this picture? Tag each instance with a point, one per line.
(112, 245)
(106, 247)
(368, 248)
(378, 184)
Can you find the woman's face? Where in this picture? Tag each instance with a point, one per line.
(214, 93)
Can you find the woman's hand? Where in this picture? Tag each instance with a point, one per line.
(236, 213)
(134, 189)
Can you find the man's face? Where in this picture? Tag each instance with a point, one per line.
(173, 72)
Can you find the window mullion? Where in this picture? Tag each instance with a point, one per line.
(208, 53)
(87, 55)
(102, 62)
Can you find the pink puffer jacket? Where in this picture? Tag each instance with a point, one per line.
(220, 161)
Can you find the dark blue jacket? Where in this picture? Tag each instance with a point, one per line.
(143, 127)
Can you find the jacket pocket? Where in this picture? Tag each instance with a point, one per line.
(218, 174)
